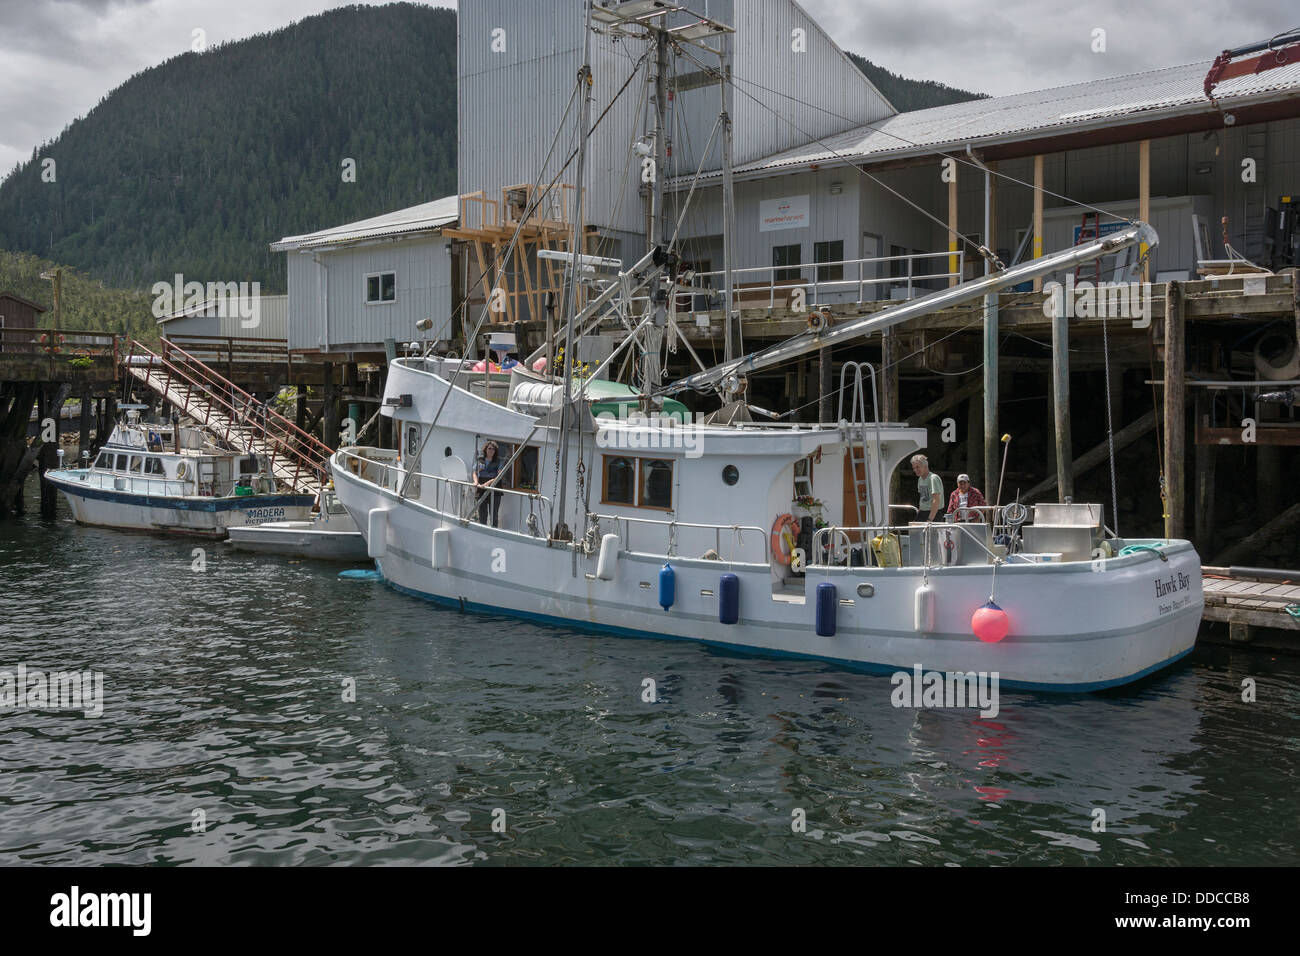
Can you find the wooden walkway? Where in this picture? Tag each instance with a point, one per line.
(1246, 598)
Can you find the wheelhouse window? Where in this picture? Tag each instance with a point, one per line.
(105, 461)
(638, 482)
(381, 287)
(785, 257)
(121, 463)
(525, 469)
(620, 481)
(656, 484)
(136, 464)
(154, 466)
(832, 251)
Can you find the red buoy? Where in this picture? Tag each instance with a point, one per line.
(990, 623)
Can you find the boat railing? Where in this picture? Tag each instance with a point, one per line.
(528, 511)
(171, 487)
(723, 535)
(837, 542)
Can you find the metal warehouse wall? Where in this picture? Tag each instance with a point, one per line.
(423, 289)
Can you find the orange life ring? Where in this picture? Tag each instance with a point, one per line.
(784, 530)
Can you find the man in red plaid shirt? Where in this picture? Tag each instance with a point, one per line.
(963, 498)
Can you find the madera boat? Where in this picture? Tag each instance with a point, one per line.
(329, 534)
(172, 478)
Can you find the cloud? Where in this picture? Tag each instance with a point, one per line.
(1020, 45)
(58, 58)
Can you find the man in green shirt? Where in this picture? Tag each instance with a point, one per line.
(929, 488)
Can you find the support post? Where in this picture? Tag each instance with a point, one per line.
(1144, 198)
(329, 411)
(954, 242)
(890, 395)
(1061, 404)
(1038, 216)
(992, 441)
(83, 439)
(1175, 414)
(824, 385)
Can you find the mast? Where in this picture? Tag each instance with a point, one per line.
(560, 531)
(650, 370)
(728, 207)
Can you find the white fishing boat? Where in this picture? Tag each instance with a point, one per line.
(776, 538)
(172, 478)
(329, 534)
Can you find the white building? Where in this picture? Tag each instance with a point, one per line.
(356, 286)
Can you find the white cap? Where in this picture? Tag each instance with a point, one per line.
(963, 477)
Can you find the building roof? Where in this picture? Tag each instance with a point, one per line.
(212, 307)
(414, 219)
(6, 294)
(1136, 99)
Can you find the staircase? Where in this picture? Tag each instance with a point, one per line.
(295, 459)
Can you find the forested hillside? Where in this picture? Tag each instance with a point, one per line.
(195, 165)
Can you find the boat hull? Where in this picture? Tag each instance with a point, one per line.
(198, 516)
(303, 539)
(1077, 626)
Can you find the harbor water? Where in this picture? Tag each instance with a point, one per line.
(257, 710)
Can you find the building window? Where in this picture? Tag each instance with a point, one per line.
(783, 257)
(656, 483)
(832, 251)
(620, 481)
(381, 287)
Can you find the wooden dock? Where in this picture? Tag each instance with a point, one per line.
(1249, 598)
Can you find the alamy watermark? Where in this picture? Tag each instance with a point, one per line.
(228, 299)
(933, 689)
(1099, 300)
(634, 430)
(28, 689)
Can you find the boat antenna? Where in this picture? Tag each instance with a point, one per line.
(1006, 447)
(560, 531)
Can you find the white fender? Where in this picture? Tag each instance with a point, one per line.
(377, 533)
(607, 563)
(441, 548)
(924, 609)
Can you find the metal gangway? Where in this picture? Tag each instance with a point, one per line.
(294, 458)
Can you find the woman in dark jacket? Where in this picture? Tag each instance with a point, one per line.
(486, 472)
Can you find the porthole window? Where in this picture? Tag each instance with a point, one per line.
(446, 452)
(730, 474)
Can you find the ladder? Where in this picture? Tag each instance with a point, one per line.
(296, 460)
(1088, 231)
(854, 430)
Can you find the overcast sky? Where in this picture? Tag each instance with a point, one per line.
(58, 58)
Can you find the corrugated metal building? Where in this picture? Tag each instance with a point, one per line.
(1088, 136)
(254, 317)
(518, 65)
(353, 287)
